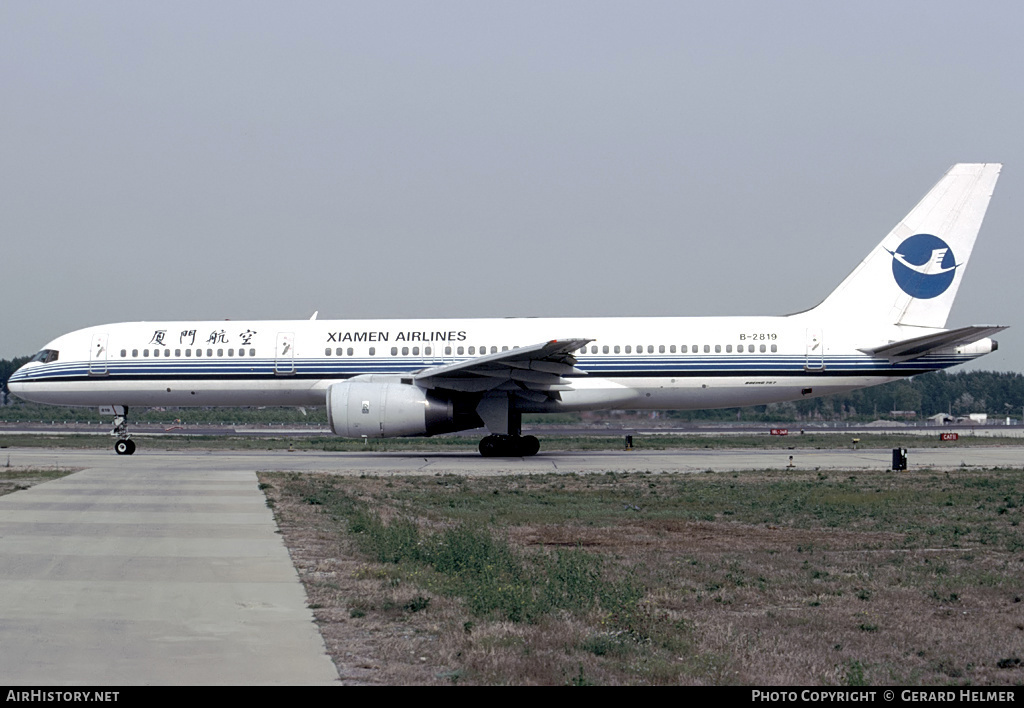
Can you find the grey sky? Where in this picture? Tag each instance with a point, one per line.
(195, 160)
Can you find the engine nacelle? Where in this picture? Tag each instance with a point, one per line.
(373, 409)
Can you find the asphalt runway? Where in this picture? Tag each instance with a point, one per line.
(355, 463)
(166, 568)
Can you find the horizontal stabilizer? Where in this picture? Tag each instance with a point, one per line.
(914, 347)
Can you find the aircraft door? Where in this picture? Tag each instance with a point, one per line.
(284, 356)
(98, 355)
(815, 350)
(436, 357)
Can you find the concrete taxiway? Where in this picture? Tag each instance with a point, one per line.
(152, 572)
(167, 568)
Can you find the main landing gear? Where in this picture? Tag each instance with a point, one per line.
(124, 445)
(498, 414)
(509, 446)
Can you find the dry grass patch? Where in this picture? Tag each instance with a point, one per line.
(755, 578)
(14, 479)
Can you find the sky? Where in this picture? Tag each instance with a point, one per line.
(265, 160)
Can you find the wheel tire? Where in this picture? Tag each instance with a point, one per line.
(131, 447)
(488, 446)
(121, 447)
(529, 446)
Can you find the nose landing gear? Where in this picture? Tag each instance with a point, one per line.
(124, 445)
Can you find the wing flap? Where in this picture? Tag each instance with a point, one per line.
(536, 372)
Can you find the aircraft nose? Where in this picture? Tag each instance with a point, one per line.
(16, 382)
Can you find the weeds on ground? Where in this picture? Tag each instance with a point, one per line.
(750, 578)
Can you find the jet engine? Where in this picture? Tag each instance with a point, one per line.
(375, 409)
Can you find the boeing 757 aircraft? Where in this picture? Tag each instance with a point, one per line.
(393, 378)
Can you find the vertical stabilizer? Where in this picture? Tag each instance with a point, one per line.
(912, 276)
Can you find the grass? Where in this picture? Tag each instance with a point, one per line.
(717, 578)
(13, 479)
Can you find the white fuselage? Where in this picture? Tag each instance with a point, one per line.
(650, 363)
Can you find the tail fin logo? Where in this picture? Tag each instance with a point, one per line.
(923, 266)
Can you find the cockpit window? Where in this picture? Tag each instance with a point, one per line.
(45, 356)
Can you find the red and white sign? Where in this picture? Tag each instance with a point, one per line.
(949, 436)
(780, 431)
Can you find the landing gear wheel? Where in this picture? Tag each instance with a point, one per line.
(529, 445)
(124, 447)
(509, 446)
(489, 446)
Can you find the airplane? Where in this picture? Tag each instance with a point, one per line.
(396, 378)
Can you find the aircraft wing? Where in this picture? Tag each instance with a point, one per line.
(914, 347)
(536, 372)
